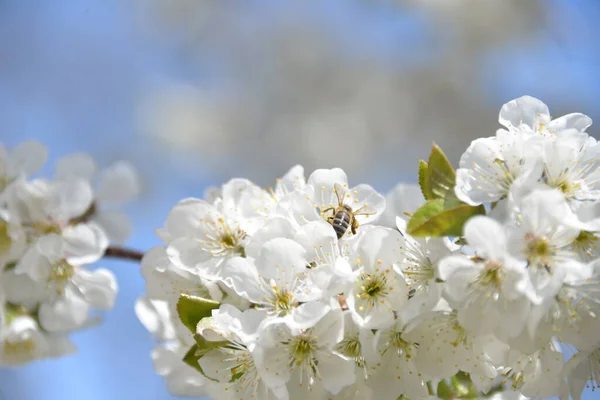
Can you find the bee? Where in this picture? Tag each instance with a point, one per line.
(343, 217)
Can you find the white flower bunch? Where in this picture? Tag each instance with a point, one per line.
(50, 230)
(464, 288)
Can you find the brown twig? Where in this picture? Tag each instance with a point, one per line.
(123, 253)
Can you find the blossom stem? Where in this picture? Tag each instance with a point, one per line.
(123, 253)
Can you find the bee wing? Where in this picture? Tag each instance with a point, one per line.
(365, 210)
(340, 192)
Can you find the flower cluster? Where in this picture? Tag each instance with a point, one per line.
(465, 287)
(50, 230)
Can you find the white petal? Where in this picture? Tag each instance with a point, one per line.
(404, 198)
(75, 198)
(293, 180)
(365, 196)
(67, 313)
(189, 216)
(35, 262)
(575, 121)
(330, 329)
(486, 236)
(28, 157)
(323, 181)
(524, 110)
(276, 227)
(187, 253)
(155, 316)
(336, 372)
(98, 287)
(453, 264)
(307, 315)
(84, 243)
(381, 246)
(164, 360)
(281, 259)
(119, 183)
(242, 276)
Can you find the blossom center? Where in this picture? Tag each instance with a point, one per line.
(373, 288)
(60, 274)
(566, 186)
(222, 240)
(584, 243)
(283, 301)
(539, 250)
(492, 274)
(303, 348)
(399, 343)
(352, 348)
(461, 335)
(244, 369)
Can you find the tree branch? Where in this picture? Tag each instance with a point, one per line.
(123, 253)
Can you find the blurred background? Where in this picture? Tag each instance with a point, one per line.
(194, 92)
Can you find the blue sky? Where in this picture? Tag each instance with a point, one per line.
(69, 74)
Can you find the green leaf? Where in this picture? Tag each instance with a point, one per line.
(461, 387)
(424, 180)
(451, 201)
(192, 359)
(433, 219)
(444, 391)
(204, 346)
(192, 309)
(199, 350)
(441, 177)
(428, 210)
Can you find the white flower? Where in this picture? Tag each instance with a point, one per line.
(422, 256)
(23, 341)
(545, 242)
(492, 166)
(571, 165)
(380, 288)
(490, 291)
(404, 199)
(327, 198)
(358, 345)
(43, 206)
(571, 315)
(579, 306)
(396, 373)
(201, 236)
(306, 361)
(279, 282)
(116, 185)
(446, 347)
(582, 371)
(24, 160)
(68, 290)
(529, 116)
(232, 361)
(328, 269)
(535, 375)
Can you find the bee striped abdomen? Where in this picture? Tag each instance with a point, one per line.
(341, 222)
